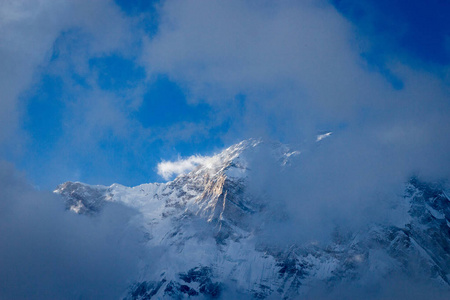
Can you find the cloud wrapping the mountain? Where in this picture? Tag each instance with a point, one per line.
(301, 74)
(168, 169)
(299, 67)
(49, 253)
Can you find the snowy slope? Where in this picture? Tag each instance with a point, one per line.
(204, 225)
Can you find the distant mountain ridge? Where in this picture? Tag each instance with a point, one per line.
(208, 222)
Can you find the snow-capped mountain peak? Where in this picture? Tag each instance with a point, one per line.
(209, 224)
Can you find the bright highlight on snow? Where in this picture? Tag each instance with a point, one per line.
(169, 169)
(322, 136)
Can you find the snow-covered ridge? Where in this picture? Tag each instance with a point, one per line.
(207, 222)
(207, 177)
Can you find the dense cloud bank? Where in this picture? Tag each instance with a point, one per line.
(334, 183)
(49, 253)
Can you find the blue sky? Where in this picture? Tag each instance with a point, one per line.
(416, 29)
(103, 92)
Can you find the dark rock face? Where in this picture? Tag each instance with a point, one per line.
(81, 198)
(195, 282)
(144, 290)
(430, 227)
(202, 276)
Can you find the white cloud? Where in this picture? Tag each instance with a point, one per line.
(323, 136)
(167, 169)
(295, 53)
(28, 31)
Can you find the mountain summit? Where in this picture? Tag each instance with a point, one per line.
(205, 232)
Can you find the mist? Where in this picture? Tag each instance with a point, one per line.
(49, 253)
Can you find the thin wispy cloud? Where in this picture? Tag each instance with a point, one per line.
(169, 169)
